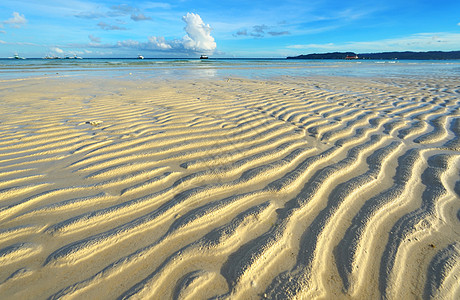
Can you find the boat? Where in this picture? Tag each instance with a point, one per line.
(51, 57)
(16, 56)
(351, 57)
(74, 57)
(203, 57)
(140, 57)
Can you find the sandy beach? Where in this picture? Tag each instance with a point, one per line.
(232, 188)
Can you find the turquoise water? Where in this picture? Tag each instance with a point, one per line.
(221, 68)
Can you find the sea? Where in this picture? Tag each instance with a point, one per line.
(219, 68)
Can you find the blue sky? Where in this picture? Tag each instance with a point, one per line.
(35, 28)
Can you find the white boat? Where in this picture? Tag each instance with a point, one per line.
(16, 56)
(74, 57)
(140, 57)
(203, 57)
(51, 57)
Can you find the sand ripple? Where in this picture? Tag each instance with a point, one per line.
(238, 189)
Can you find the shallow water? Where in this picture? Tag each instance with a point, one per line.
(221, 68)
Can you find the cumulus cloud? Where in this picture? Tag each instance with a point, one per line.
(197, 40)
(16, 21)
(198, 36)
(94, 39)
(106, 26)
(159, 43)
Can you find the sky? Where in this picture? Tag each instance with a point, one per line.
(221, 28)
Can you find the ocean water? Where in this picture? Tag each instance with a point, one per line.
(222, 68)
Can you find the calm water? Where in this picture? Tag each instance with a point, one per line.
(221, 68)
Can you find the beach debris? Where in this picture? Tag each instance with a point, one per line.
(94, 123)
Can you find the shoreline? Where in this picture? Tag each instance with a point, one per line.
(219, 69)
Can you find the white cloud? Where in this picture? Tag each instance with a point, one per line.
(57, 50)
(197, 40)
(198, 36)
(2, 42)
(129, 44)
(16, 21)
(159, 43)
(415, 42)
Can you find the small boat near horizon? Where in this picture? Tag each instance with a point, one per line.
(140, 57)
(74, 57)
(203, 57)
(51, 57)
(16, 56)
(352, 57)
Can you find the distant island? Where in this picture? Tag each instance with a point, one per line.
(440, 55)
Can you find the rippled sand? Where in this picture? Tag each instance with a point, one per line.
(241, 189)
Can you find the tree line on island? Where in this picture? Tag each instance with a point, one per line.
(382, 55)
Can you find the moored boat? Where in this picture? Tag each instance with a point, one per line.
(16, 56)
(352, 57)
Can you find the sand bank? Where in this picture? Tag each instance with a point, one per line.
(236, 188)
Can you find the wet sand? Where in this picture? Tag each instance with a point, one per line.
(303, 188)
